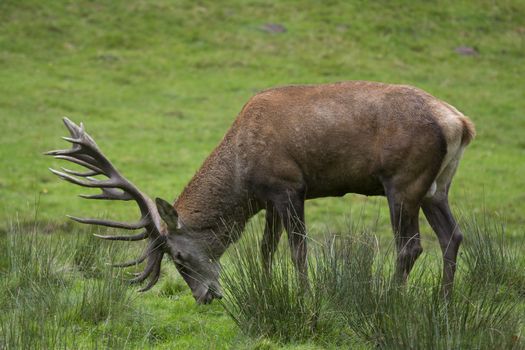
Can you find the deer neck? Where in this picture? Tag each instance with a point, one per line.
(215, 198)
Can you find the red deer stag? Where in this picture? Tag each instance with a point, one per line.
(287, 145)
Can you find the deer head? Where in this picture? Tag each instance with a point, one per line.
(193, 258)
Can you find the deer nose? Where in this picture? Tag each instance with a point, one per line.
(205, 299)
(214, 293)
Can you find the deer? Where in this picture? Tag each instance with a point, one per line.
(287, 145)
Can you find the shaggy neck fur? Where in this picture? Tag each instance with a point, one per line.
(215, 199)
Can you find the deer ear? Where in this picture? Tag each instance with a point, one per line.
(168, 213)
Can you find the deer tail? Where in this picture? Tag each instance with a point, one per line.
(469, 131)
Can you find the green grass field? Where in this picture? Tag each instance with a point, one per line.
(158, 84)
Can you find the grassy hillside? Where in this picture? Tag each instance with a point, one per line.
(158, 83)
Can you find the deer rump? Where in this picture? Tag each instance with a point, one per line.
(291, 144)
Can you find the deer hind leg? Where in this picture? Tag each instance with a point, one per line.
(404, 200)
(440, 218)
(272, 234)
(404, 219)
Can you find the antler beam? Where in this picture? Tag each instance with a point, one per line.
(86, 153)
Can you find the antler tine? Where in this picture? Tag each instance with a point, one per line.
(154, 252)
(133, 262)
(84, 145)
(61, 152)
(77, 173)
(74, 129)
(153, 263)
(137, 237)
(91, 183)
(78, 161)
(110, 194)
(116, 224)
(153, 280)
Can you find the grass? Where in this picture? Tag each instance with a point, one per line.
(46, 301)
(352, 296)
(267, 304)
(56, 293)
(158, 83)
(491, 258)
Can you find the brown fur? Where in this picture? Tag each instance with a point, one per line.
(294, 143)
(287, 145)
(333, 139)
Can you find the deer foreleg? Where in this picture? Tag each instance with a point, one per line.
(272, 234)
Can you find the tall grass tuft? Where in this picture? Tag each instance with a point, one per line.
(86, 255)
(24, 329)
(31, 280)
(351, 289)
(489, 257)
(47, 304)
(104, 299)
(417, 316)
(30, 260)
(271, 303)
(91, 255)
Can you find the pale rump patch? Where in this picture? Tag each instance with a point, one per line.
(450, 121)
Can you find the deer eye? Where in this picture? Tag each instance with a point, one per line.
(178, 258)
(181, 258)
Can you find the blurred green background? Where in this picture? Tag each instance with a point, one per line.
(158, 83)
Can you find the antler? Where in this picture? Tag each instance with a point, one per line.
(86, 153)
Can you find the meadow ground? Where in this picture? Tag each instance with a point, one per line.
(158, 84)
